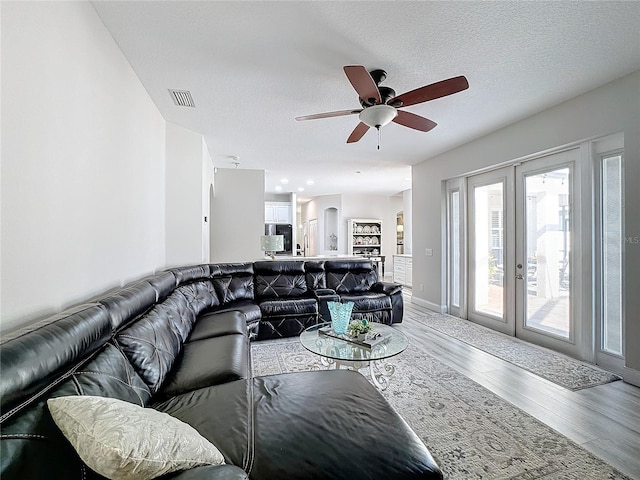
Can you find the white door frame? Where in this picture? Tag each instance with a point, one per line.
(582, 219)
(578, 326)
(504, 323)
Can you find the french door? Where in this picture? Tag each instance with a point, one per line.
(524, 277)
(491, 248)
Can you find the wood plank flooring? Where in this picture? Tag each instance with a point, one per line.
(604, 420)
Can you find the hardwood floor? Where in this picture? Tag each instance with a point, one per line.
(605, 420)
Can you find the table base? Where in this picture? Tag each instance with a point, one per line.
(379, 370)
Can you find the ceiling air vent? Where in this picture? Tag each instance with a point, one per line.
(182, 98)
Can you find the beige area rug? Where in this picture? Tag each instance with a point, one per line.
(471, 432)
(555, 367)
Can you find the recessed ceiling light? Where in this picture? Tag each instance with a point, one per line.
(309, 182)
(300, 189)
(358, 171)
(284, 180)
(278, 188)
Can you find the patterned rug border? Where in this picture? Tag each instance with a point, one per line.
(471, 431)
(555, 367)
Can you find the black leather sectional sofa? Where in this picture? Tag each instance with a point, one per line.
(179, 342)
(282, 298)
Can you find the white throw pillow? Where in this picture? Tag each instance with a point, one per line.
(122, 441)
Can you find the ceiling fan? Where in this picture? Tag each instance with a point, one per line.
(380, 105)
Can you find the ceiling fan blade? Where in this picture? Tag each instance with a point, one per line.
(363, 84)
(338, 113)
(414, 121)
(358, 132)
(431, 92)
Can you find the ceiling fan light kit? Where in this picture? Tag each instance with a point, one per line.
(380, 104)
(378, 115)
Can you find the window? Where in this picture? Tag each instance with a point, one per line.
(612, 251)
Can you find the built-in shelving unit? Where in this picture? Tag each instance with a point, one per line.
(365, 237)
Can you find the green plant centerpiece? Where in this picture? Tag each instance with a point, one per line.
(359, 328)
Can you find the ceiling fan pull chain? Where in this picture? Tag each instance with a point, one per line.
(378, 128)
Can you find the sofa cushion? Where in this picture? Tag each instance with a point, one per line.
(163, 283)
(367, 302)
(191, 273)
(127, 303)
(123, 441)
(249, 308)
(286, 318)
(107, 374)
(31, 443)
(315, 275)
(154, 341)
(32, 355)
(232, 288)
(276, 279)
(349, 276)
(284, 307)
(280, 286)
(209, 362)
(200, 295)
(223, 414)
(356, 433)
(217, 324)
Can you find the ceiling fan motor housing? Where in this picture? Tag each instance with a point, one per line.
(386, 94)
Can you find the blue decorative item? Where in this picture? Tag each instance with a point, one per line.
(340, 316)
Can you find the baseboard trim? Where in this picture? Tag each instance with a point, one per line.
(631, 376)
(430, 305)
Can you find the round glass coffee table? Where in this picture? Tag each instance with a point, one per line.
(340, 352)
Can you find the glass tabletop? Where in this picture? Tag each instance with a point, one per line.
(340, 349)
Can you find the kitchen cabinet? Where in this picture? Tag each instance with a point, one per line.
(278, 212)
(403, 269)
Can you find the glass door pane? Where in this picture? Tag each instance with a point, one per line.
(488, 254)
(455, 248)
(547, 251)
(612, 248)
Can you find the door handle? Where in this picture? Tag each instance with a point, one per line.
(519, 277)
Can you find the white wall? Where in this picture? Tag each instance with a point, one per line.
(357, 206)
(315, 208)
(207, 188)
(83, 157)
(615, 107)
(187, 165)
(237, 215)
(376, 206)
(407, 205)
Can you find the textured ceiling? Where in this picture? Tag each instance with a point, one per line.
(254, 66)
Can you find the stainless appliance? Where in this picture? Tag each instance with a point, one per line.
(284, 229)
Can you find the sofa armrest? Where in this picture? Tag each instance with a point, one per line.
(387, 288)
(213, 472)
(323, 292)
(323, 296)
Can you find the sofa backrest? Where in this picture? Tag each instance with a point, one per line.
(233, 281)
(279, 279)
(154, 341)
(32, 356)
(66, 354)
(350, 276)
(315, 275)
